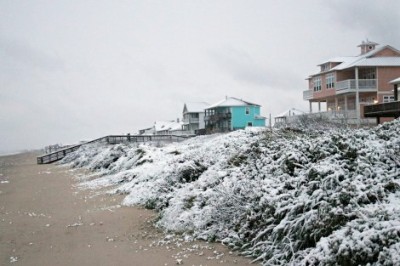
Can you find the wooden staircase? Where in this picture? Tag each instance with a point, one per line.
(112, 139)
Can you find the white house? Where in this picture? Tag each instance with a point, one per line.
(168, 127)
(193, 116)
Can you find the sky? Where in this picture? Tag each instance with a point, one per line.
(77, 70)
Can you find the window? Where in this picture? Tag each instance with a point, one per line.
(388, 98)
(330, 80)
(249, 124)
(247, 110)
(325, 67)
(317, 83)
(367, 73)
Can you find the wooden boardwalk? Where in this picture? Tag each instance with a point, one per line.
(112, 139)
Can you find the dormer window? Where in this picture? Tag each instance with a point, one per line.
(325, 67)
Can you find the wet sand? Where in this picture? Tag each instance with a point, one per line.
(46, 220)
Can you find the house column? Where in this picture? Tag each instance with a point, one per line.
(396, 92)
(357, 99)
(310, 106)
(336, 104)
(319, 107)
(345, 103)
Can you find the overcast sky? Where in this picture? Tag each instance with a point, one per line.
(78, 70)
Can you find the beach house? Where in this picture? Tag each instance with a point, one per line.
(232, 114)
(193, 116)
(346, 84)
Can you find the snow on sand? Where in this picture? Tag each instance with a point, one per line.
(284, 197)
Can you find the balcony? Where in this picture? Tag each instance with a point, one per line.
(218, 117)
(307, 95)
(364, 85)
(391, 109)
(190, 120)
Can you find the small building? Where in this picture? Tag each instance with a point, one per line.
(286, 117)
(193, 116)
(168, 127)
(146, 131)
(232, 114)
(163, 128)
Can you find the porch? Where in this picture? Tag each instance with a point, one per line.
(346, 87)
(391, 109)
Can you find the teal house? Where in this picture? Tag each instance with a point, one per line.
(232, 114)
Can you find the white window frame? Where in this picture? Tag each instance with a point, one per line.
(330, 80)
(388, 98)
(317, 83)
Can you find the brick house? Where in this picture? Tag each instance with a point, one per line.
(347, 84)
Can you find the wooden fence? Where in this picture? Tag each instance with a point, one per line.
(112, 139)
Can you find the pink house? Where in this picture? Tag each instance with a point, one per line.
(346, 84)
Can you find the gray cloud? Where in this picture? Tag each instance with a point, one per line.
(18, 53)
(73, 70)
(379, 20)
(263, 72)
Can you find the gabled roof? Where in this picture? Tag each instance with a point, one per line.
(195, 107)
(366, 59)
(230, 102)
(167, 125)
(290, 112)
(339, 60)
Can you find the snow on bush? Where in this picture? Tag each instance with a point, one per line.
(282, 197)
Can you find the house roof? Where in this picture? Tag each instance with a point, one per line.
(167, 125)
(395, 81)
(366, 59)
(290, 112)
(195, 107)
(230, 102)
(341, 59)
(374, 61)
(259, 117)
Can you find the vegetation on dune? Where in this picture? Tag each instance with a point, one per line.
(303, 196)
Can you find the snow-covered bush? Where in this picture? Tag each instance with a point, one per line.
(301, 197)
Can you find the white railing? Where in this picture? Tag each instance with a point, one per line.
(307, 95)
(350, 85)
(190, 120)
(343, 117)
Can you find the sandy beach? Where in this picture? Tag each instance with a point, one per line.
(46, 220)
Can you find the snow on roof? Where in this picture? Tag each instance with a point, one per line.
(291, 112)
(365, 60)
(231, 101)
(378, 61)
(395, 81)
(196, 107)
(259, 117)
(167, 125)
(341, 59)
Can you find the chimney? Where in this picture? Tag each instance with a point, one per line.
(367, 46)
